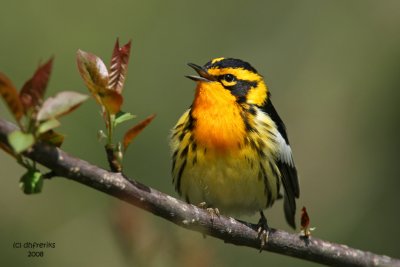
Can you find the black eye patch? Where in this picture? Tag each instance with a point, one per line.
(241, 88)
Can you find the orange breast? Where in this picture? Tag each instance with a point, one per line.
(219, 126)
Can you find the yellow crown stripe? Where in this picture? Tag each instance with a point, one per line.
(218, 59)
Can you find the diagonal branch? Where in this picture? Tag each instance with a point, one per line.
(191, 217)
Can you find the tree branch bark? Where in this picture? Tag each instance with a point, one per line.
(191, 217)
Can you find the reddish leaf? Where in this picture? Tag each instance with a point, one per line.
(61, 104)
(119, 66)
(305, 223)
(52, 138)
(95, 75)
(10, 95)
(135, 130)
(111, 100)
(93, 72)
(305, 219)
(33, 90)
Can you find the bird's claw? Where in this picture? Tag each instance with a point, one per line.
(212, 211)
(263, 231)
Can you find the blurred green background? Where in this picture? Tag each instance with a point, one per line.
(333, 70)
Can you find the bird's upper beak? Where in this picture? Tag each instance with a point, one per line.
(204, 76)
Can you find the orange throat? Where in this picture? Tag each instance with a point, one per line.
(219, 125)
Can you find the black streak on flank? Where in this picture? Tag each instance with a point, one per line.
(178, 126)
(182, 135)
(245, 142)
(278, 184)
(194, 161)
(174, 155)
(174, 159)
(252, 110)
(191, 121)
(184, 152)
(194, 147)
(260, 175)
(272, 134)
(247, 124)
(253, 144)
(267, 189)
(178, 182)
(261, 153)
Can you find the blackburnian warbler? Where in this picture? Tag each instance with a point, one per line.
(230, 149)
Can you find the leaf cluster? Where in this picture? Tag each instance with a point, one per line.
(106, 86)
(37, 117)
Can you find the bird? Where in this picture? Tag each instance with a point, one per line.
(230, 148)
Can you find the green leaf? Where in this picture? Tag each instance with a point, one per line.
(48, 125)
(20, 141)
(31, 182)
(61, 104)
(123, 116)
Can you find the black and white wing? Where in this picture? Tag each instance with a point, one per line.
(285, 164)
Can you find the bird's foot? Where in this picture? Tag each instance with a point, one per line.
(212, 211)
(263, 231)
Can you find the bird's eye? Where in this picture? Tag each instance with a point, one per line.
(229, 78)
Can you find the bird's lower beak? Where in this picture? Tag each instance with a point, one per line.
(204, 76)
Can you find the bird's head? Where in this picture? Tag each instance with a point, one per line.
(230, 79)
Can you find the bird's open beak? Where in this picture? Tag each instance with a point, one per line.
(204, 76)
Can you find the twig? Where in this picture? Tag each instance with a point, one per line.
(191, 217)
